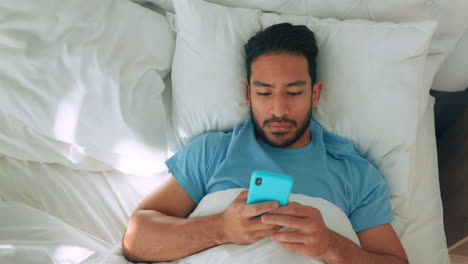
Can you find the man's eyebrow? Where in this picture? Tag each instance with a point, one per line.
(259, 83)
(296, 83)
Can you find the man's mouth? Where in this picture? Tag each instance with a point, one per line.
(279, 126)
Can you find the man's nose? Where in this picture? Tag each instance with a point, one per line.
(280, 106)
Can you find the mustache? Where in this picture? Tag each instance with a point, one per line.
(280, 119)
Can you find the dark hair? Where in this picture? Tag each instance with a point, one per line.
(283, 38)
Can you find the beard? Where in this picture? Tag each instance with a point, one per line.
(260, 132)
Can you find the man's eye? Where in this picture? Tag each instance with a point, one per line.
(263, 94)
(298, 93)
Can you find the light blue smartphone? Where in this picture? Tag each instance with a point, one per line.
(269, 186)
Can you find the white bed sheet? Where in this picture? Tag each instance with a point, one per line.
(51, 213)
(98, 203)
(421, 228)
(78, 73)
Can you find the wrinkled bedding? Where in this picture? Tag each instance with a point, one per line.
(28, 235)
(72, 156)
(47, 208)
(265, 250)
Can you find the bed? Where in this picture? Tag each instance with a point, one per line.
(97, 95)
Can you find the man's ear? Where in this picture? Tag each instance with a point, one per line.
(247, 93)
(316, 92)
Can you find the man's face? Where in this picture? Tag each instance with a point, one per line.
(281, 100)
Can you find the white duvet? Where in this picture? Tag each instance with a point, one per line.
(266, 250)
(86, 77)
(28, 235)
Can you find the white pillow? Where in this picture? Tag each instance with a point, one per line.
(373, 77)
(89, 74)
(208, 67)
(453, 74)
(381, 62)
(451, 25)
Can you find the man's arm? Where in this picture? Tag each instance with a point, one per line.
(312, 238)
(379, 244)
(152, 236)
(159, 231)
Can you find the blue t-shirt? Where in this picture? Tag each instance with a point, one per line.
(329, 167)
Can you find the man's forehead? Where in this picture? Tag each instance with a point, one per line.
(283, 58)
(258, 83)
(279, 63)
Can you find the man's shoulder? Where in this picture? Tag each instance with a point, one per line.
(342, 149)
(339, 145)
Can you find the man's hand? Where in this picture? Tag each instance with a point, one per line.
(311, 236)
(240, 225)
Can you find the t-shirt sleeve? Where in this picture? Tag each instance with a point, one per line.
(370, 205)
(189, 165)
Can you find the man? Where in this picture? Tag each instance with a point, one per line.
(280, 136)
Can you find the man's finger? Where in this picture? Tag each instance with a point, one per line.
(290, 237)
(298, 248)
(288, 221)
(277, 228)
(257, 224)
(298, 210)
(242, 195)
(260, 208)
(263, 233)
